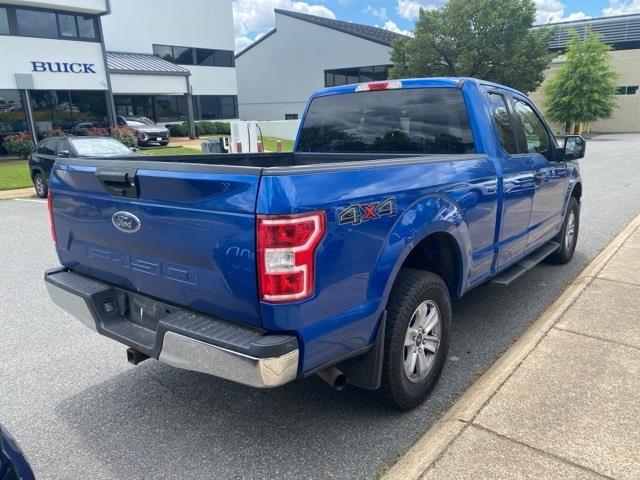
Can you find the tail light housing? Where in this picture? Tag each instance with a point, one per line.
(50, 207)
(375, 86)
(287, 255)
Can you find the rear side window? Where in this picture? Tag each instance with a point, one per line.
(390, 121)
(504, 125)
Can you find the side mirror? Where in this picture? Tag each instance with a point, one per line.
(64, 153)
(574, 147)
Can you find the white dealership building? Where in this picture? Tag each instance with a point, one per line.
(66, 62)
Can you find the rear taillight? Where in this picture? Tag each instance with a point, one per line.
(50, 206)
(287, 255)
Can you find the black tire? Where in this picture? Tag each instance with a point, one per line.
(412, 289)
(40, 184)
(567, 242)
(164, 144)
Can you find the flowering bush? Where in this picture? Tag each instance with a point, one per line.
(52, 133)
(20, 144)
(98, 132)
(125, 135)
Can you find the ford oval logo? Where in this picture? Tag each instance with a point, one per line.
(126, 222)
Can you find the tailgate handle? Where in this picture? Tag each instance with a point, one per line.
(119, 183)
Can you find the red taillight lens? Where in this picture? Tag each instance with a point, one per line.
(375, 86)
(50, 207)
(287, 255)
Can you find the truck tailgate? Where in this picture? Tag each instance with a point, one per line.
(179, 232)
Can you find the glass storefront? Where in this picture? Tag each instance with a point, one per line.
(66, 110)
(173, 108)
(215, 107)
(12, 114)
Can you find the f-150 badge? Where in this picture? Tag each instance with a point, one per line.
(357, 214)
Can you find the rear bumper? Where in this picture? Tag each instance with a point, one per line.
(175, 336)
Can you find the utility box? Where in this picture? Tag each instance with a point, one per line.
(244, 137)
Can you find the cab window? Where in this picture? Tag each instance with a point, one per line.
(533, 133)
(503, 123)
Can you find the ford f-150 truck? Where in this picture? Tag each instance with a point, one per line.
(339, 259)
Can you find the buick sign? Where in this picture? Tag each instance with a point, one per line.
(63, 67)
(125, 222)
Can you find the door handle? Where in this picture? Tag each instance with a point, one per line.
(119, 183)
(538, 178)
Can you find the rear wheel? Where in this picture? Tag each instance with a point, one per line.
(416, 337)
(568, 235)
(164, 144)
(40, 185)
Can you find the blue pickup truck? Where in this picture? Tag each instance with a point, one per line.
(340, 259)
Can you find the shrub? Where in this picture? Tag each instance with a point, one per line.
(205, 128)
(178, 129)
(125, 135)
(53, 133)
(98, 132)
(20, 144)
(223, 128)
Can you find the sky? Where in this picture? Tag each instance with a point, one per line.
(254, 18)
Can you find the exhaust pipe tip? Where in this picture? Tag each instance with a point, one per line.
(334, 377)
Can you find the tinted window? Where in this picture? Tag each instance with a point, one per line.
(402, 121)
(86, 27)
(342, 76)
(48, 147)
(63, 146)
(531, 129)
(163, 51)
(224, 58)
(67, 25)
(504, 126)
(183, 55)
(4, 21)
(204, 57)
(35, 23)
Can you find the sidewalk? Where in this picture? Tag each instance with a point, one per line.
(563, 401)
(17, 193)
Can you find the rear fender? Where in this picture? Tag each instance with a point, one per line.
(433, 214)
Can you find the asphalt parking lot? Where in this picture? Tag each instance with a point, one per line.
(80, 410)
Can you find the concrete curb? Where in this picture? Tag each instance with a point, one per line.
(17, 193)
(414, 463)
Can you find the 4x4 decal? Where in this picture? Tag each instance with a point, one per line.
(356, 214)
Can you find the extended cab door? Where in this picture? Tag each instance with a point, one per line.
(517, 172)
(550, 177)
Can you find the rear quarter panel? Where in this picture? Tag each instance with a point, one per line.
(356, 264)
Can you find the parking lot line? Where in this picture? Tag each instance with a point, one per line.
(29, 200)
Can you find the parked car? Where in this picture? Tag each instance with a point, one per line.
(147, 131)
(340, 259)
(49, 150)
(13, 463)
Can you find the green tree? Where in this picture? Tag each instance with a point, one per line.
(488, 39)
(583, 89)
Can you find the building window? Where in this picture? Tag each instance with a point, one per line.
(627, 90)
(159, 108)
(67, 25)
(345, 76)
(36, 23)
(215, 107)
(291, 116)
(4, 21)
(12, 117)
(32, 22)
(68, 110)
(195, 56)
(86, 27)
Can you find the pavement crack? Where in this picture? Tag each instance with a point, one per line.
(540, 451)
(597, 337)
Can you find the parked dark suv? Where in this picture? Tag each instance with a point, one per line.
(147, 131)
(41, 160)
